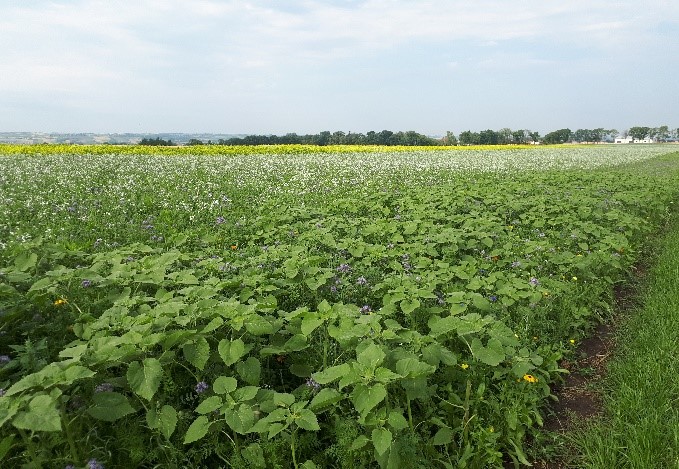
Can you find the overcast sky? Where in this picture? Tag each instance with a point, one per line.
(353, 65)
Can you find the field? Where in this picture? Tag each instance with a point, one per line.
(305, 307)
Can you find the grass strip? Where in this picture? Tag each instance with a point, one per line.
(641, 426)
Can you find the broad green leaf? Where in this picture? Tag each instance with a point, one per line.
(197, 353)
(232, 350)
(283, 399)
(310, 323)
(245, 393)
(197, 430)
(396, 420)
(42, 415)
(408, 306)
(250, 370)
(240, 419)
(296, 343)
(381, 438)
(307, 420)
(492, 354)
(443, 326)
(413, 368)
(359, 443)
(325, 397)
(109, 406)
(144, 378)
(331, 374)
(25, 261)
(167, 421)
(6, 445)
(208, 405)
(42, 283)
(225, 384)
(443, 437)
(371, 356)
(254, 455)
(365, 398)
(215, 324)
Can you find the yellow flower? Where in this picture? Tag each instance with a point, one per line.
(60, 301)
(575, 279)
(464, 366)
(572, 341)
(234, 247)
(530, 378)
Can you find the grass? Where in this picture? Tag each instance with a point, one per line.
(641, 427)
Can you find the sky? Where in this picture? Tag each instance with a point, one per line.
(275, 66)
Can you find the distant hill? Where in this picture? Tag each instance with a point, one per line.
(94, 138)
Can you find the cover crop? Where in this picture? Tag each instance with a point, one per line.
(293, 309)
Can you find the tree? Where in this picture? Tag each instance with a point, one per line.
(488, 137)
(662, 132)
(558, 136)
(470, 138)
(520, 136)
(450, 139)
(639, 133)
(505, 136)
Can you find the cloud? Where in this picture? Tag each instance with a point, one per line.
(160, 53)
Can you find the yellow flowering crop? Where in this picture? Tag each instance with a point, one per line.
(60, 301)
(530, 378)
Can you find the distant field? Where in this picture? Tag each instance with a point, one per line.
(296, 306)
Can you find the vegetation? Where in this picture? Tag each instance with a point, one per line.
(296, 306)
(641, 423)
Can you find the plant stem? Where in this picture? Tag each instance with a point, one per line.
(292, 446)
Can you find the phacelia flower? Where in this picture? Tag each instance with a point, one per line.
(310, 382)
(104, 387)
(201, 387)
(94, 464)
(86, 283)
(365, 309)
(361, 281)
(344, 268)
(534, 281)
(4, 359)
(492, 298)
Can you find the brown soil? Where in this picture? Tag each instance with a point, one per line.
(579, 396)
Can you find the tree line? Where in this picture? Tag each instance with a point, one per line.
(505, 136)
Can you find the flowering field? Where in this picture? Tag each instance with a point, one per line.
(303, 306)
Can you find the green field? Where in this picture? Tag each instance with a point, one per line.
(301, 306)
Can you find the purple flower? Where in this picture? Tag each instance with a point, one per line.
(104, 387)
(310, 382)
(492, 298)
(220, 220)
(365, 309)
(344, 268)
(86, 283)
(4, 359)
(201, 387)
(94, 464)
(70, 466)
(2, 392)
(333, 289)
(362, 280)
(516, 264)
(534, 281)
